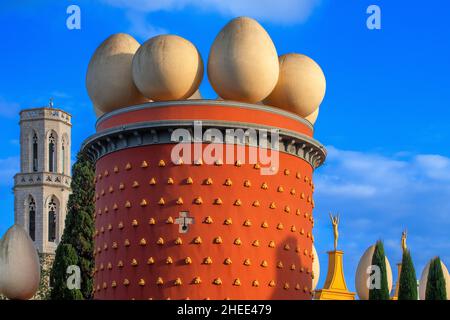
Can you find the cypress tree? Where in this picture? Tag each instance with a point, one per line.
(79, 225)
(65, 256)
(379, 260)
(436, 288)
(407, 284)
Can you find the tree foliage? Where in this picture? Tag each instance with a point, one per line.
(436, 289)
(79, 227)
(65, 257)
(408, 281)
(379, 259)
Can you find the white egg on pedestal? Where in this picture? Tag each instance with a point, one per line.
(315, 268)
(19, 265)
(424, 280)
(361, 276)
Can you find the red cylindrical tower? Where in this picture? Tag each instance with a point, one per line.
(203, 230)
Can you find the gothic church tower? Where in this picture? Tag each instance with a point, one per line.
(42, 187)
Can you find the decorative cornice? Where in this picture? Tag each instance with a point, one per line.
(42, 178)
(45, 113)
(159, 132)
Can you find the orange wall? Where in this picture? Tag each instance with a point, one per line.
(299, 217)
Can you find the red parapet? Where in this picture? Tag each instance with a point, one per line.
(213, 110)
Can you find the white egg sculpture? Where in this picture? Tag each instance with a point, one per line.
(312, 118)
(196, 96)
(362, 276)
(109, 81)
(301, 85)
(424, 279)
(243, 62)
(98, 112)
(19, 265)
(315, 268)
(167, 67)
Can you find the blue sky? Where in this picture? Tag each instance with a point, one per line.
(384, 119)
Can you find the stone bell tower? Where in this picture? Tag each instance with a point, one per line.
(42, 187)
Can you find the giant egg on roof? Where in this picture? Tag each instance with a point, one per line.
(167, 67)
(301, 85)
(243, 62)
(108, 80)
(98, 112)
(312, 118)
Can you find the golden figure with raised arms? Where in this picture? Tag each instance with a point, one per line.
(404, 235)
(335, 223)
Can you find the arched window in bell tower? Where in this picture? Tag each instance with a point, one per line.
(52, 211)
(35, 153)
(32, 218)
(63, 155)
(51, 153)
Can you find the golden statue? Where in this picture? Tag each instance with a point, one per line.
(335, 287)
(335, 223)
(404, 235)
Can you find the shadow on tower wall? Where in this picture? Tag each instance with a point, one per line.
(291, 275)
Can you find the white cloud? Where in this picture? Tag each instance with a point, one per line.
(141, 28)
(378, 196)
(434, 166)
(9, 109)
(356, 174)
(280, 12)
(346, 189)
(8, 168)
